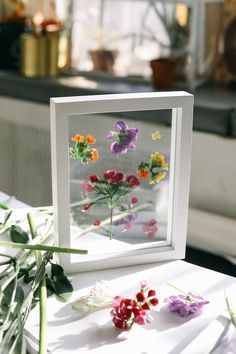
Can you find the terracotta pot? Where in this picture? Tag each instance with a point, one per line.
(163, 72)
(103, 59)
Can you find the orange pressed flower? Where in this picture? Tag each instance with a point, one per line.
(77, 138)
(93, 155)
(143, 173)
(90, 139)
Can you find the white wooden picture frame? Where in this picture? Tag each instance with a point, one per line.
(61, 111)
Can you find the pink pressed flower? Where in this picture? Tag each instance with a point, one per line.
(143, 284)
(140, 296)
(116, 301)
(134, 200)
(152, 222)
(96, 222)
(109, 174)
(150, 228)
(151, 234)
(140, 320)
(132, 181)
(87, 186)
(117, 178)
(127, 227)
(94, 178)
(151, 293)
(154, 301)
(145, 306)
(142, 317)
(86, 206)
(113, 176)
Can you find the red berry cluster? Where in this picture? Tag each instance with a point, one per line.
(126, 312)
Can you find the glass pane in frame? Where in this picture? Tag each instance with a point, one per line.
(119, 198)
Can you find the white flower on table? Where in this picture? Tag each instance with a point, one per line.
(99, 297)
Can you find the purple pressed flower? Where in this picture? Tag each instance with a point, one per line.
(121, 126)
(187, 304)
(117, 149)
(128, 219)
(110, 134)
(124, 138)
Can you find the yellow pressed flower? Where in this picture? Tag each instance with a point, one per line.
(165, 166)
(156, 135)
(158, 178)
(157, 157)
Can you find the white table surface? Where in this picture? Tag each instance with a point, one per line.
(166, 333)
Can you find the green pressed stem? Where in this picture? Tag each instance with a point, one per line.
(114, 218)
(32, 226)
(173, 286)
(231, 314)
(33, 232)
(11, 304)
(42, 293)
(111, 222)
(38, 247)
(43, 317)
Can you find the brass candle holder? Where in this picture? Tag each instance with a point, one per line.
(40, 49)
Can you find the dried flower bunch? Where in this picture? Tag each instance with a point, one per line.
(111, 191)
(126, 312)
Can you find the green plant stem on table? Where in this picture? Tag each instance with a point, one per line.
(31, 267)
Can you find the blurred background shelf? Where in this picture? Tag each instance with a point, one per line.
(214, 107)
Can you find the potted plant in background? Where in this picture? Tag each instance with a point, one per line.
(173, 45)
(103, 59)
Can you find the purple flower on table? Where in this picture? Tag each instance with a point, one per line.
(187, 304)
(125, 138)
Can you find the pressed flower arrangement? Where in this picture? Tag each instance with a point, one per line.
(112, 197)
(127, 312)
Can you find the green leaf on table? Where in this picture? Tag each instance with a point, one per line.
(4, 217)
(18, 235)
(24, 272)
(62, 285)
(18, 300)
(3, 206)
(50, 286)
(7, 216)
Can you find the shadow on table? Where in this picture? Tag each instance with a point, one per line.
(163, 320)
(90, 338)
